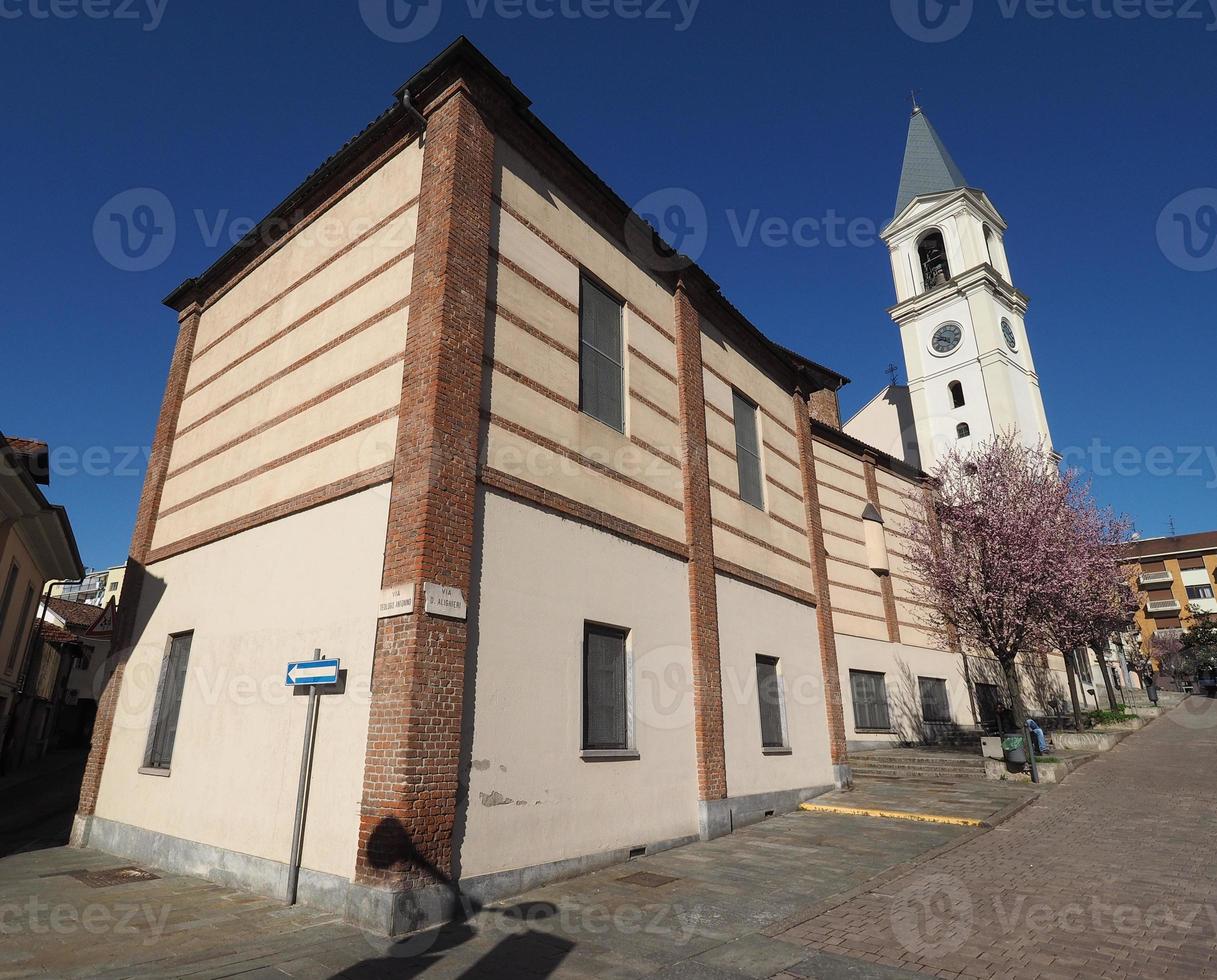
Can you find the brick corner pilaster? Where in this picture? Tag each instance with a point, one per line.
(833, 704)
(411, 769)
(890, 614)
(699, 534)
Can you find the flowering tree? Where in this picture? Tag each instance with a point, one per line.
(991, 551)
(1167, 650)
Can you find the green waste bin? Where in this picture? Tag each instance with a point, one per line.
(1014, 750)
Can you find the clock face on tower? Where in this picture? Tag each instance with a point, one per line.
(1007, 331)
(946, 338)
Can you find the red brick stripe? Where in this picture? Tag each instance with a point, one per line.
(763, 582)
(577, 457)
(761, 543)
(299, 322)
(312, 355)
(285, 508)
(312, 273)
(567, 507)
(294, 455)
(289, 414)
(500, 310)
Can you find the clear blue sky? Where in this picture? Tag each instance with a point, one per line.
(1081, 129)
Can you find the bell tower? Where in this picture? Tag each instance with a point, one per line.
(962, 321)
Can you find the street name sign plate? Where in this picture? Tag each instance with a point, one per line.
(443, 600)
(396, 601)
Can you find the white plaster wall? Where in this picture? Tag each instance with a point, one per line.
(902, 665)
(754, 621)
(255, 601)
(541, 578)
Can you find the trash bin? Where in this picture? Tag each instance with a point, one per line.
(1014, 750)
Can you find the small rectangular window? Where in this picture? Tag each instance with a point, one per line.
(601, 375)
(605, 689)
(870, 701)
(934, 704)
(168, 703)
(1199, 591)
(773, 710)
(748, 452)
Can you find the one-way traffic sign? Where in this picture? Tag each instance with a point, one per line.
(304, 672)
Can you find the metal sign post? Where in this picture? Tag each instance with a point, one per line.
(311, 673)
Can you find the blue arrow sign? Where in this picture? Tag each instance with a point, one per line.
(304, 672)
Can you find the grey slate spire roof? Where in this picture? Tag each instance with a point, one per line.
(928, 167)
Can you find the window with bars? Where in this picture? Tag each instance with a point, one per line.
(773, 710)
(168, 703)
(934, 704)
(605, 688)
(748, 452)
(870, 700)
(601, 375)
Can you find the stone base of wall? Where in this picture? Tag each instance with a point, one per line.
(717, 818)
(383, 911)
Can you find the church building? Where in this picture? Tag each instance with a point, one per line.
(602, 570)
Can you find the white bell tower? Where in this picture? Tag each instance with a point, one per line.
(970, 372)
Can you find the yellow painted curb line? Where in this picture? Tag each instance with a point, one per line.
(892, 814)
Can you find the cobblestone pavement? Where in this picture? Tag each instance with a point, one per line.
(704, 918)
(1107, 875)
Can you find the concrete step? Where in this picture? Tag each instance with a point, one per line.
(860, 766)
(880, 773)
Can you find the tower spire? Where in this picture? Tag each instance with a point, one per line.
(928, 166)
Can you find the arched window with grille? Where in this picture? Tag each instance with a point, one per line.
(932, 254)
(962, 431)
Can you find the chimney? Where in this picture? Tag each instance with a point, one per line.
(824, 407)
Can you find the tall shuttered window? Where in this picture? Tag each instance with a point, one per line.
(168, 703)
(748, 452)
(870, 700)
(27, 606)
(605, 688)
(934, 704)
(601, 376)
(6, 600)
(769, 695)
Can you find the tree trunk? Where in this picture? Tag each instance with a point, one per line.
(1071, 670)
(1101, 657)
(1014, 688)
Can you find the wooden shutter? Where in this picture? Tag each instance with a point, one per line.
(604, 689)
(747, 451)
(601, 376)
(870, 700)
(934, 704)
(769, 694)
(169, 703)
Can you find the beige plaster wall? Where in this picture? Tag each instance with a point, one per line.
(256, 601)
(532, 797)
(754, 621)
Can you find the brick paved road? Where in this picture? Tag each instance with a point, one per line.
(1108, 875)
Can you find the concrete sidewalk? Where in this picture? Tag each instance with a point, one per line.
(697, 911)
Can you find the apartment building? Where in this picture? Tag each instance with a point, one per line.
(603, 571)
(36, 545)
(96, 588)
(1178, 576)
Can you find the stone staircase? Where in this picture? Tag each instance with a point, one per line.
(1136, 698)
(922, 762)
